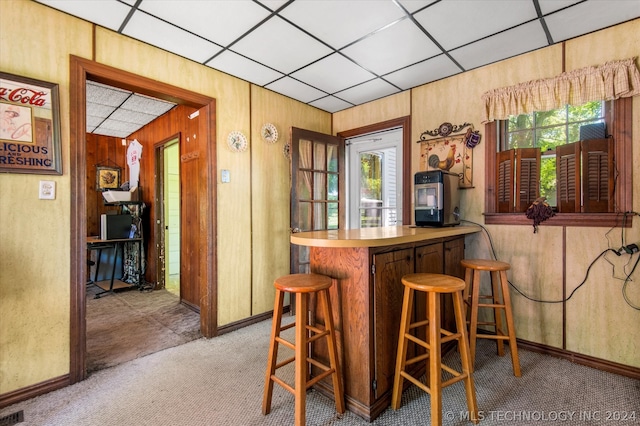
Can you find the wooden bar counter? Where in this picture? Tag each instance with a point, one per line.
(367, 300)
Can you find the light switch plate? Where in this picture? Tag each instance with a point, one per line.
(47, 190)
(225, 176)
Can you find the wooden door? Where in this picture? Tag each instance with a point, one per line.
(317, 174)
(453, 254)
(389, 268)
(429, 259)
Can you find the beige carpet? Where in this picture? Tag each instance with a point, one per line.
(219, 381)
(128, 324)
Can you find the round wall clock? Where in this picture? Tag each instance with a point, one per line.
(269, 133)
(237, 141)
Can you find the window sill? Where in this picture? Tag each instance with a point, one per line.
(564, 219)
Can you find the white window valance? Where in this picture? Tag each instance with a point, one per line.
(612, 80)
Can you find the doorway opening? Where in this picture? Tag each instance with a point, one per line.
(374, 175)
(171, 215)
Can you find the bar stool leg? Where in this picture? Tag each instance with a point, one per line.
(497, 313)
(513, 347)
(301, 353)
(435, 358)
(338, 392)
(273, 352)
(467, 366)
(401, 357)
(473, 324)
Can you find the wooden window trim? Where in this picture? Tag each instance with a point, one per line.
(621, 130)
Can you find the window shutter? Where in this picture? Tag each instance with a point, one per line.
(527, 177)
(568, 177)
(505, 161)
(598, 175)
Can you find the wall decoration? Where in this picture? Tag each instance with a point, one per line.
(30, 126)
(449, 152)
(237, 141)
(269, 133)
(107, 178)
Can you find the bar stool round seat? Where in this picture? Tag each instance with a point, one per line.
(496, 302)
(302, 286)
(433, 285)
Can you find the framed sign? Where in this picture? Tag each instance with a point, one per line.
(29, 126)
(107, 178)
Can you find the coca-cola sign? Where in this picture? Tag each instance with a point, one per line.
(29, 126)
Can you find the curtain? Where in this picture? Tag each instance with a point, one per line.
(612, 80)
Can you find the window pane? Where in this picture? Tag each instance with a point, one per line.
(550, 137)
(332, 215)
(548, 179)
(370, 175)
(319, 186)
(521, 139)
(304, 185)
(587, 111)
(520, 122)
(551, 118)
(332, 188)
(319, 159)
(332, 158)
(319, 216)
(304, 216)
(304, 149)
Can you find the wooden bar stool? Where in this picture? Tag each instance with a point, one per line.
(302, 285)
(472, 296)
(434, 285)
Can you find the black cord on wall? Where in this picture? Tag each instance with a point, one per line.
(617, 252)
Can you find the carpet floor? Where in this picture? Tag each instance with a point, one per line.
(220, 381)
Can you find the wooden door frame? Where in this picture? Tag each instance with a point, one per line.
(82, 70)
(405, 123)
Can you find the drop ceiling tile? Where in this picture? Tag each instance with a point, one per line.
(135, 117)
(116, 128)
(354, 19)
(374, 89)
(295, 89)
(219, 21)
(106, 95)
(107, 13)
(273, 4)
(548, 6)
(524, 38)
(426, 71)
(316, 74)
(414, 5)
(394, 47)
(93, 121)
(590, 16)
(168, 37)
(330, 104)
(478, 18)
(147, 104)
(241, 67)
(98, 110)
(281, 46)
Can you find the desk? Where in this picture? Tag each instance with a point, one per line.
(95, 243)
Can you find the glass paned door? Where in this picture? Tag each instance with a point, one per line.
(315, 190)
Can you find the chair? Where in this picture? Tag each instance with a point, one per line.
(303, 286)
(472, 297)
(433, 285)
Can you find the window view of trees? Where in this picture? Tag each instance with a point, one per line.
(546, 130)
